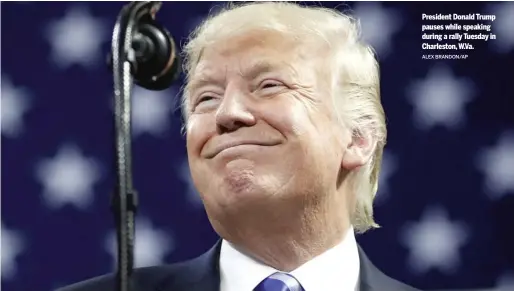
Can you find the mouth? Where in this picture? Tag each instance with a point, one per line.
(234, 145)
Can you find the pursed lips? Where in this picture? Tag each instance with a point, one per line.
(221, 147)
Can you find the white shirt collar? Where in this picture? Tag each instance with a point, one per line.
(335, 269)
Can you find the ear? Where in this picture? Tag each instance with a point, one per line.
(359, 150)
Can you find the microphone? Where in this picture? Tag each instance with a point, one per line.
(157, 63)
(154, 58)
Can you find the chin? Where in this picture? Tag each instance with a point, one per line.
(241, 193)
(240, 188)
(241, 184)
(239, 176)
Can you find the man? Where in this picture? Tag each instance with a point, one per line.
(285, 133)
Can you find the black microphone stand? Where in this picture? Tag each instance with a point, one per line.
(125, 199)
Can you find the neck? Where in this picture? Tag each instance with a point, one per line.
(288, 244)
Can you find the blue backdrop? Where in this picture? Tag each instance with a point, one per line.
(445, 202)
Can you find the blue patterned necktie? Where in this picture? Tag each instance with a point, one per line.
(279, 282)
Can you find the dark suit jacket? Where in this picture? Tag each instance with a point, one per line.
(202, 274)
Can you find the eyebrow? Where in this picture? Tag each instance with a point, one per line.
(258, 68)
(249, 73)
(200, 82)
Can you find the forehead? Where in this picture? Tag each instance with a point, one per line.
(256, 50)
(272, 42)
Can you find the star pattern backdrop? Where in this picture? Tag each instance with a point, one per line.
(445, 198)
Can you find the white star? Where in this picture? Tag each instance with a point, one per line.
(505, 282)
(497, 164)
(440, 99)
(15, 103)
(378, 25)
(151, 245)
(192, 194)
(152, 111)
(77, 38)
(503, 26)
(434, 242)
(389, 167)
(68, 178)
(12, 247)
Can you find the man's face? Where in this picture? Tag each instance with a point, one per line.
(260, 130)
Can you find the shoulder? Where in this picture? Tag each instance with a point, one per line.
(200, 272)
(373, 279)
(389, 283)
(381, 281)
(148, 278)
(400, 286)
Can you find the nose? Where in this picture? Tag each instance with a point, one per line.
(233, 112)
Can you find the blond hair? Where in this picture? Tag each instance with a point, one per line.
(354, 80)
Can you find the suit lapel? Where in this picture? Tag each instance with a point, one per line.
(199, 274)
(371, 278)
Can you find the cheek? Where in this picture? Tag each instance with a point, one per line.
(309, 131)
(198, 130)
(292, 119)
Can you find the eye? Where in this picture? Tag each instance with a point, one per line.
(205, 102)
(270, 84)
(204, 98)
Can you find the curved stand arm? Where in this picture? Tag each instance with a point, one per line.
(124, 203)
